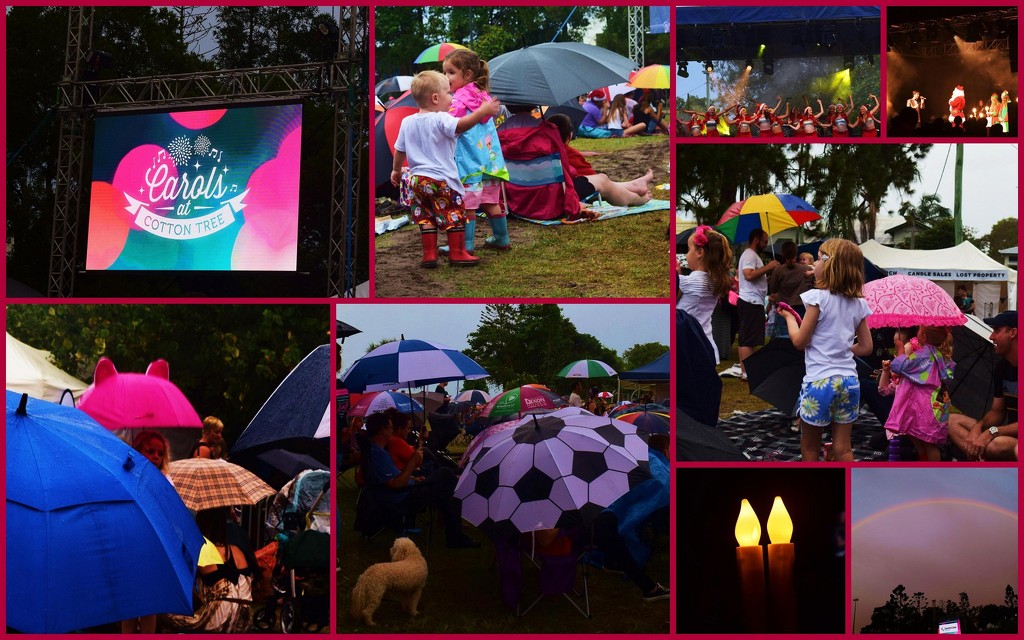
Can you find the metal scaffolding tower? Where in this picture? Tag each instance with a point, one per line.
(636, 34)
(343, 80)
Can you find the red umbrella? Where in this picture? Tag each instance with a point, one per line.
(386, 134)
(521, 400)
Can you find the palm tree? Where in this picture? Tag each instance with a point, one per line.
(927, 211)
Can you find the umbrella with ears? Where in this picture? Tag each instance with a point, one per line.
(95, 533)
(123, 402)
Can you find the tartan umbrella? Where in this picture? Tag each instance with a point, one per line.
(772, 212)
(203, 483)
(586, 369)
(557, 470)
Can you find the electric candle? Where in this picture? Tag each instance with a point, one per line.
(750, 563)
(781, 554)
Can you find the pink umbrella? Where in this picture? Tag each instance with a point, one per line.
(124, 401)
(907, 301)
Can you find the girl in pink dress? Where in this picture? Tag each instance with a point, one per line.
(920, 410)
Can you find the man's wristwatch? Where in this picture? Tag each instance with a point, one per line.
(994, 431)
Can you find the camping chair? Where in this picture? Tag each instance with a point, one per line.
(375, 515)
(556, 573)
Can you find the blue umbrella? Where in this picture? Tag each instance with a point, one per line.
(409, 363)
(473, 396)
(297, 410)
(95, 533)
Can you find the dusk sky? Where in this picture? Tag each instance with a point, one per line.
(939, 531)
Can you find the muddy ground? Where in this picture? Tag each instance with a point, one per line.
(397, 266)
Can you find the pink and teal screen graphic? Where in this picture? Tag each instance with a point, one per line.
(212, 190)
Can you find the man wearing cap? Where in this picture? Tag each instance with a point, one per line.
(595, 122)
(994, 437)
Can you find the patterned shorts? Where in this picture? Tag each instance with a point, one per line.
(435, 203)
(833, 399)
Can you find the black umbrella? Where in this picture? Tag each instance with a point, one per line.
(971, 389)
(698, 387)
(775, 372)
(571, 109)
(394, 84)
(345, 330)
(277, 466)
(555, 72)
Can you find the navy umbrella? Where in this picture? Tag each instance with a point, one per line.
(775, 372)
(95, 533)
(297, 412)
(277, 466)
(409, 363)
(555, 72)
(975, 357)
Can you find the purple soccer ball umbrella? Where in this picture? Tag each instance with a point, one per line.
(560, 469)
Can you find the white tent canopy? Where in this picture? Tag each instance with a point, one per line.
(963, 263)
(30, 371)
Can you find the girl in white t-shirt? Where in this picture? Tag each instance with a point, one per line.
(836, 315)
(708, 256)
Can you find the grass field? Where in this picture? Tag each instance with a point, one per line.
(462, 594)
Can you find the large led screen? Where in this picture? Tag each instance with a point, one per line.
(214, 190)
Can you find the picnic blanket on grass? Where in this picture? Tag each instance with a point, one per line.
(606, 211)
(765, 435)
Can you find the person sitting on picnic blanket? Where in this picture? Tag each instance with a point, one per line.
(587, 181)
(994, 436)
(595, 122)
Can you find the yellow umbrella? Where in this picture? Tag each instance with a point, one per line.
(208, 554)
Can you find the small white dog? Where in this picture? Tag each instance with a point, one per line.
(403, 577)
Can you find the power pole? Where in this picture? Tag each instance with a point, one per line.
(958, 197)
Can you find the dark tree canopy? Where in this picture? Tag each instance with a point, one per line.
(523, 344)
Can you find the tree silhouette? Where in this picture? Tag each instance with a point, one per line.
(904, 613)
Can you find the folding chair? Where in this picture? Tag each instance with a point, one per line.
(557, 575)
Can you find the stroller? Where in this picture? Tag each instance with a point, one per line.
(300, 522)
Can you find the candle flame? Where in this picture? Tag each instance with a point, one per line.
(780, 525)
(748, 528)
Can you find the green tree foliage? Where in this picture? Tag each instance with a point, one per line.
(260, 36)
(523, 344)
(712, 177)
(640, 354)
(227, 359)
(615, 36)
(848, 188)
(941, 235)
(142, 40)
(928, 211)
(403, 32)
(1002, 236)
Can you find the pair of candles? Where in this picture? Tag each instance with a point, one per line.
(750, 561)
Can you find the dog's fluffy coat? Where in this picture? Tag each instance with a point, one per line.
(403, 578)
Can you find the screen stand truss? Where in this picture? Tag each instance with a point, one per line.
(343, 80)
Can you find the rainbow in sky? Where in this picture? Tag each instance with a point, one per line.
(931, 502)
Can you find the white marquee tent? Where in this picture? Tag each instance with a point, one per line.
(30, 371)
(962, 264)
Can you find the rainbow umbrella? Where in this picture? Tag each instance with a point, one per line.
(437, 52)
(653, 76)
(646, 421)
(772, 212)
